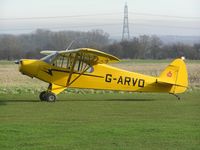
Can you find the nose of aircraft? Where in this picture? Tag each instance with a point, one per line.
(28, 67)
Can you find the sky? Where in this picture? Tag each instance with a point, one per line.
(153, 17)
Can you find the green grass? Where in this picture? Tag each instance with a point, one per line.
(100, 121)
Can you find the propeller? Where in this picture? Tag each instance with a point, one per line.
(17, 61)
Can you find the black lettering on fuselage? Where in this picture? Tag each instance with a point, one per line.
(134, 81)
(141, 83)
(127, 80)
(108, 78)
(120, 80)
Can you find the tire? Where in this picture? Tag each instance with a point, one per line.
(50, 97)
(43, 96)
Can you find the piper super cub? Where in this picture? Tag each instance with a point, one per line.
(88, 68)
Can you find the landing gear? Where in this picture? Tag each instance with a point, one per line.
(43, 96)
(47, 96)
(50, 97)
(178, 97)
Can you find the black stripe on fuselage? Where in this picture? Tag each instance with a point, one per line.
(49, 71)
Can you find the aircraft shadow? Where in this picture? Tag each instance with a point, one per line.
(4, 102)
(120, 100)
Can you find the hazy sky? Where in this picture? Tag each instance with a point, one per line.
(171, 17)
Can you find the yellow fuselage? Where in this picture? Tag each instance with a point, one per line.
(100, 76)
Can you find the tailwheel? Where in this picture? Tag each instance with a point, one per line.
(47, 96)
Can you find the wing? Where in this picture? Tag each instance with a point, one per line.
(90, 56)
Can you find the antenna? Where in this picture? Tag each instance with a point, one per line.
(125, 33)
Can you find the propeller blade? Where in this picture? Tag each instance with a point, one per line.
(17, 61)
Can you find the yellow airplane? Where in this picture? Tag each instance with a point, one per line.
(88, 68)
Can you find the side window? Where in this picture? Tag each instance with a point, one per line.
(58, 61)
(81, 66)
(66, 62)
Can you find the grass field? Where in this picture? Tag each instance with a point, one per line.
(98, 119)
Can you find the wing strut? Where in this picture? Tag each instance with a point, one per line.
(86, 67)
(71, 70)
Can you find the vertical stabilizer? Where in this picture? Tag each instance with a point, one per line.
(176, 75)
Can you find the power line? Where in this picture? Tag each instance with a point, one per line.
(168, 16)
(103, 25)
(101, 14)
(60, 17)
(166, 26)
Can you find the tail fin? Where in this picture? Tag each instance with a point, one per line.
(176, 75)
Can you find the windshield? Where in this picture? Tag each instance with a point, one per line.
(49, 58)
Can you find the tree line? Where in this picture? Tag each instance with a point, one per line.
(151, 47)
(29, 45)
(143, 47)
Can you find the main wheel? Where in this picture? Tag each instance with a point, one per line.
(43, 96)
(50, 97)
